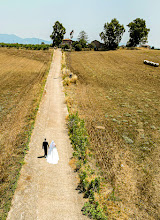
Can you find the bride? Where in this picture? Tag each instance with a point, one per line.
(52, 156)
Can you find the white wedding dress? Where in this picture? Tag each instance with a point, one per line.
(52, 156)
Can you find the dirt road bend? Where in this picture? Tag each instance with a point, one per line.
(46, 191)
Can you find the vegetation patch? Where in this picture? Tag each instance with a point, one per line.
(89, 180)
(87, 184)
(26, 46)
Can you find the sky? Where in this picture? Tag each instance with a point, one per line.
(35, 18)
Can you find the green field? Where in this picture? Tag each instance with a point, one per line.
(118, 96)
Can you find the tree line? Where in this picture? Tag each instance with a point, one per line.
(26, 46)
(111, 35)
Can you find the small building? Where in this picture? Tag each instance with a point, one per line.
(97, 45)
(67, 41)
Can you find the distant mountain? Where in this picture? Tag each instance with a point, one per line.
(11, 38)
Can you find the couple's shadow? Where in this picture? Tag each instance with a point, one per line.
(41, 157)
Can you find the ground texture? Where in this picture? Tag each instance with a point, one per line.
(22, 78)
(118, 97)
(47, 191)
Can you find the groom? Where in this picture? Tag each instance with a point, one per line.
(45, 145)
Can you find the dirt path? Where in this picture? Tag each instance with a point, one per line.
(46, 191)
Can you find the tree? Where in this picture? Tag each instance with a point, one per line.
(74, 43)
(78, 47)
(112, 34)
(83, 36)
(83, 43)
(138, 32)
(91, 46)
(58, 33)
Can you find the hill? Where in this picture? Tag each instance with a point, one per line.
(11, 38)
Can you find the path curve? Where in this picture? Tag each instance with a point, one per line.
(46, 191)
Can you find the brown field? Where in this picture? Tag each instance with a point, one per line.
(116, 91)
(22, 76)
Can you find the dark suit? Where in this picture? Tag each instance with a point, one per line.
(45, 146)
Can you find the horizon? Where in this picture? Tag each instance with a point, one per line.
(120, 44)
(42, 17)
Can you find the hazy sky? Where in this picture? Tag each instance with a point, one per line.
(35, 18)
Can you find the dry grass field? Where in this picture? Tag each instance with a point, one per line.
(118, 96)
(22, 76)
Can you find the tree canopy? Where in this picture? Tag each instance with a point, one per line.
(58, 33)
(83, 36)
(138, 32)
(112, 34)
(82, 39)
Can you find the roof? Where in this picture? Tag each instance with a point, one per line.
(95, 41)
(67, 40)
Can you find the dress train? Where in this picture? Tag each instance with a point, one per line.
(52, 156)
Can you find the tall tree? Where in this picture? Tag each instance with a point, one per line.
(83, 36)
(112, 34)
(58, 33)
(138, 32)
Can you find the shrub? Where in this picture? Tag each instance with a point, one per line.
(82, 186)
(66, 81)
(65, 46)
(78, 47)
(74, 79)
(91, 46)
(74, 43)
(78, 136)
(94, 211)
(94, 186)
(78, 165)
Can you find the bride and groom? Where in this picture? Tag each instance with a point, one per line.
(52, 156)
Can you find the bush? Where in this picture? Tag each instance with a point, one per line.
(74, 79)
(91, 46)
(66, 81)
(78, 136)
(82, 186)
(94, 211)
(94, 186)
(65, 46)
(74, 43)
(78, 47)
